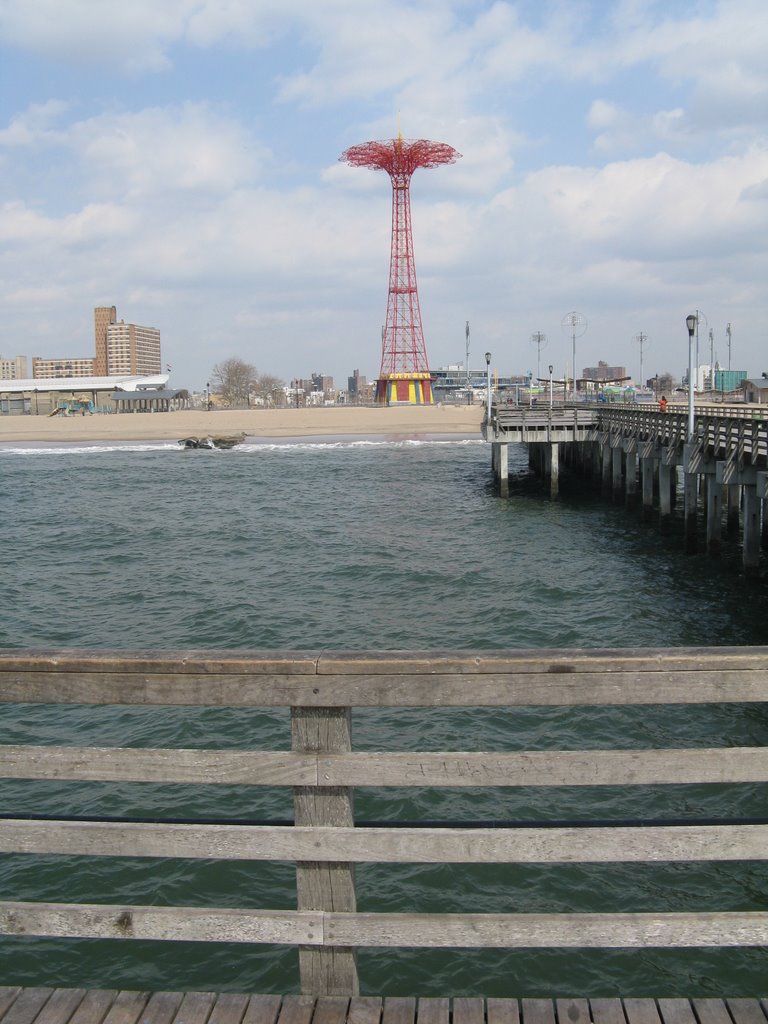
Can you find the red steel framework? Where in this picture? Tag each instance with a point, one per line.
(404, 375)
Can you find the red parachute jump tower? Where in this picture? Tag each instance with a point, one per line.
(404, 375)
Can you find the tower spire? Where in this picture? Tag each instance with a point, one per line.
(404, 375)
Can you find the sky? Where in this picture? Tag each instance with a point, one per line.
(179, 159)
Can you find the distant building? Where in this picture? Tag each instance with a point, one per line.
(357, 387)
(729, 380)
(124, 348)
(13, 367)
(80, 395)
(63, 366)
(756, 390)
(604, 372)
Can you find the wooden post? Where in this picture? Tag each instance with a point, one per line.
(733, 506)
(327, 970)
(714, 515)
(630, 491)
(665, 497)
(504, 470)
(606, 470)
(751, 542)
(646, 474)
(617, 466)
(691, 496)
(553, 456)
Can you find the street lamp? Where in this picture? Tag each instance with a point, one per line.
(488, 385)
(208, 396)
(551, 368)
(690, 321)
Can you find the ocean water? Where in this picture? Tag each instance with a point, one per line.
(356, 544)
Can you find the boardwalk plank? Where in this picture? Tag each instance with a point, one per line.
(572, 1011)
(502, 1011)
(607, 1011)
(676, 1011)
(365, 1010)
(641, 1011)
(538, 1011)
(229, 1008)
(468, 1010)
(26, 1007)
(331, 1010)
(8, 995)
(127, 1008)
(195, 1008)
(746, 1011)
(433, 1010)
(399, 1010)
(711, 1011)
(94, 1007)
(296, 1010)
(161, 1008)
(262, 1010)
(60, 1007)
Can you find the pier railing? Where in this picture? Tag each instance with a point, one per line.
(323, 769)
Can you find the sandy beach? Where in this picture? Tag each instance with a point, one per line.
(404, 421)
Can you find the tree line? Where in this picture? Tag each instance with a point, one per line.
(238, 383)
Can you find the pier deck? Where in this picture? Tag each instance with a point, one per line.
(80, 1006)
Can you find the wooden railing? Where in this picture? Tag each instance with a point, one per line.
(323, 770)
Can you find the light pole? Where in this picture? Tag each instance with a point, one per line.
(488, 385)
(551, 368)
(208, 396)
(469, 388)
(690, 321)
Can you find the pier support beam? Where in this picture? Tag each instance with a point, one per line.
(630, 491)
(691, 497)
(553, 468)
(605, 475)
(751, 543)
(647, 466)
(503, 473)
(714, 516)
(616, 472)
(665, 496)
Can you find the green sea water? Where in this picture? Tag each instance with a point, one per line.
(357, 544)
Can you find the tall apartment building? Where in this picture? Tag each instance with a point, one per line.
(124, 348)
(604, 372)
(63, 366)
(13, 368)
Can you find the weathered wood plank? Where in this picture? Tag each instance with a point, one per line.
(195, 1008)
(383, 845)
(607, 1011)
(711, 1011)
(161, 1008)
(676, 1011)
(572, 1011)
(335, 772)
(229, 1008)
(262, 1010)
(502, 1011)
(538, 1011)
(515, 931)
(60, 1007)
(433, 1010)
(296, 1010)
(188, 924)
(641, 1011)
(468, 1010)
(365, 1010)
(320, 884)
(27, 1005)
(8, 995)
(746, 1011)
(331, 1010)
(127, 1008)
(173, 765)
(399, 1010)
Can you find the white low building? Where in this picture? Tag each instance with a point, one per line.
(45, 397)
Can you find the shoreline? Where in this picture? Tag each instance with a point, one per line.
(403, 421)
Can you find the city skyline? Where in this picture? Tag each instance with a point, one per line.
(185, 165)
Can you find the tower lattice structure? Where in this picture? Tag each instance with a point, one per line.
(404, 375)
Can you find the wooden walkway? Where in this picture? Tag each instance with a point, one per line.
(78, 1006)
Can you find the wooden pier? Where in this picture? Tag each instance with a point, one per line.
(323, 769)
(77, 1006)
(634, 453)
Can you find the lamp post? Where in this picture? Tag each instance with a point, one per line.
(488, 385)
(207, 396)
(690, 321)
(551, 368)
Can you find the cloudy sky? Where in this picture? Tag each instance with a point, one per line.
(179, 159)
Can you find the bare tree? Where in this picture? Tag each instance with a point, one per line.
(270, 389)
(235, 380)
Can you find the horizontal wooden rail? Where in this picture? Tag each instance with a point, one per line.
(387, 845)
(370, 679)
(435, 931)
(375, 768)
